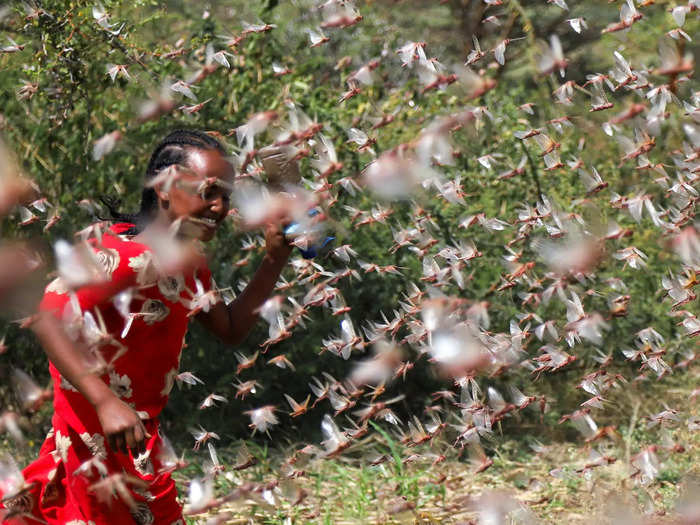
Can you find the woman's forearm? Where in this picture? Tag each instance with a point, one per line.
(70, 359)
(243, 312)
(121, 425)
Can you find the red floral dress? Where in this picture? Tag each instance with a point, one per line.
(78, 479)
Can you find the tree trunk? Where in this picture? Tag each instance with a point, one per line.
(469, 14)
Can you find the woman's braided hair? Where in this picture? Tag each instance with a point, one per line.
(172, 150)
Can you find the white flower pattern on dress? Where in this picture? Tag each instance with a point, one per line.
(120, 384)
(143, 265)
(96, 444)
(143, 464)
(109, 260)
(57, 286)
(169, 382)
(63, 443)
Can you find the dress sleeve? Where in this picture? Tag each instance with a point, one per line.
(126, 264)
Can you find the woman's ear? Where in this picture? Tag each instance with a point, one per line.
(163, 197)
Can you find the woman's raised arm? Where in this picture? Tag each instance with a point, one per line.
(232, 323)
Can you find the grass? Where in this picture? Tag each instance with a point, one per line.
(552, 486)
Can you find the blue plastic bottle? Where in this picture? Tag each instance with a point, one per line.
(319, 248)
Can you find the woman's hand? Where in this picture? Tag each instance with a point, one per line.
(276, 245)
(122, 426)
(17, 190)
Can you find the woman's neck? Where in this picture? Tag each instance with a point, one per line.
(162, 225)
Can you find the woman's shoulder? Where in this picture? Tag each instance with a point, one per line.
(116, 257)
(119, 263)
(115, 249)
(118, 237)
(119, 251)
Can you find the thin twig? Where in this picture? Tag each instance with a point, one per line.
(630, 430)
(533, 171)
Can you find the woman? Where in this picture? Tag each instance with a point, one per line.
(101, 461)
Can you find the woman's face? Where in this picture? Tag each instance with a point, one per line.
(201, 194)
